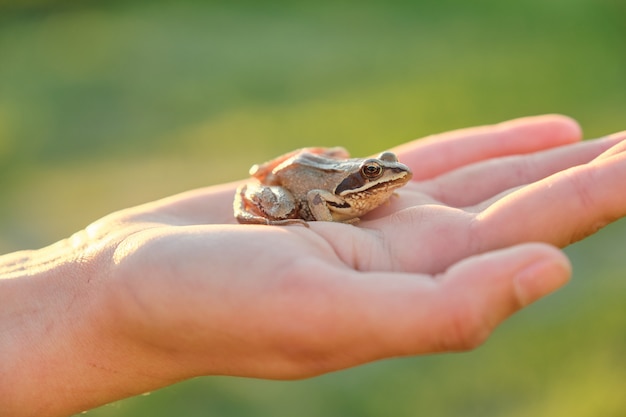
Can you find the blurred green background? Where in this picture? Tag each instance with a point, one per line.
(104, 105)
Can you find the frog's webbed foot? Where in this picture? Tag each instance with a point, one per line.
(287, 222)
(248, 218)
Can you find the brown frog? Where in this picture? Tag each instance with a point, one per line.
(318, 184)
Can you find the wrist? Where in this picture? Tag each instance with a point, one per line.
(35, 337)
(60, 351)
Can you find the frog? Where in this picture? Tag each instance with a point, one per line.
(318, 184)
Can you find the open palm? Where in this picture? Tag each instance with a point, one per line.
(468, 242)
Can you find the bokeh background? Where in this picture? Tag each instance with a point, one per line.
(104, 105)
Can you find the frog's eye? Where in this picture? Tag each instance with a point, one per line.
(388, 157)
(371, 170)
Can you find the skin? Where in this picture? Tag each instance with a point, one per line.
(173, 289)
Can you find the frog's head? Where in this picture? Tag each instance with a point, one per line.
(371, 182)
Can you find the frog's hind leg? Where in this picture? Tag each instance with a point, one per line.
(262, 204)
(242, 211)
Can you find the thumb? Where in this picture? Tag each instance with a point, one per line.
(477, 294)
(457, 310)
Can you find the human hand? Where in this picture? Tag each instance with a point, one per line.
(175, 289)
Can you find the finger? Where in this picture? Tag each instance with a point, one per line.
(435, 155)
(560, 209)
(477, 182)
(620, 138)
(403, 315)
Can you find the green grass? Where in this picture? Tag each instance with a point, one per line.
(107, 105)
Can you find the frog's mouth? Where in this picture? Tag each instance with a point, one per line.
(354, 184)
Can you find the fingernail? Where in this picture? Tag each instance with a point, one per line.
(541, 278)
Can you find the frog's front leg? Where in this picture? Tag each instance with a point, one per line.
(263, 204)
(326, 206)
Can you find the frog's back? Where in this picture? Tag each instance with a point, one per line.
(307, 171)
